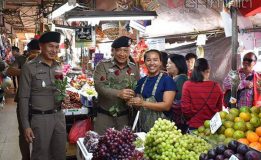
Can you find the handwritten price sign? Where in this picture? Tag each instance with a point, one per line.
(233, 157)
(215, 123)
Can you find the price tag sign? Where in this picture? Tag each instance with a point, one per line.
(215, 123)
(233, 157)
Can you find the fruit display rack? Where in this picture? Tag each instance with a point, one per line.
(82, 153)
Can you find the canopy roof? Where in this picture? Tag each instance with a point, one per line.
(174, 18)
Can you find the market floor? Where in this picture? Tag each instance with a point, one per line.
(9, 148)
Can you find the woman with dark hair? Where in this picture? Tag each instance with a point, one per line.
(164, 59)
(201, 97)
(155, 92)
(177, 68)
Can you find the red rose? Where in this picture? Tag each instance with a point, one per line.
(58, 77)
(117, 72)
(129, 71)
(102, 78)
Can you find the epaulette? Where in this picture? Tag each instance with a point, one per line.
(106, 60)
(134, 64)
(32, 61)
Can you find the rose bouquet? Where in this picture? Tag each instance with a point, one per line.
(128, 82)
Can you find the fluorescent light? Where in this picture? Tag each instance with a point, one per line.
(110, 15)
(61, 10)
(64, 27)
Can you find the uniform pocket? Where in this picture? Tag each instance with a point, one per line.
(42, 79)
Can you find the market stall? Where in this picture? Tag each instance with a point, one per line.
(229, 134)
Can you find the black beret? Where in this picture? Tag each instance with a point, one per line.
(122, 41)
(33, 45)
(50, 37)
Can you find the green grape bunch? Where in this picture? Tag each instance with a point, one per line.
(165, 142)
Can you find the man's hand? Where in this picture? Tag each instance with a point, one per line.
(29, 135)
(136, 101)
(12, 71)
(249, 84)
(126, 94)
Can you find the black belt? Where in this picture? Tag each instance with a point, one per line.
(122, 113)
(52, 111)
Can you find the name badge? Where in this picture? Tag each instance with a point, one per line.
(43, 84)
(111, 70)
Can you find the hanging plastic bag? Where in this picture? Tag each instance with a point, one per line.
(257, 90)
(79, 129)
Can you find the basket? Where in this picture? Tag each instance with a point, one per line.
(111, 30)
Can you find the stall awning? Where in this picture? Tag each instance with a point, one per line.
(250, 8)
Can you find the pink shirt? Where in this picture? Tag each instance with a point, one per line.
(246, 95)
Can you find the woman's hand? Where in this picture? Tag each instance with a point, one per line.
(136, 101)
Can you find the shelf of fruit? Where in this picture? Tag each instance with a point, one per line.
(234, 150)
(113, 144)
(72, 104)
(80, 80)
(243, 125)
(85, 88)
(163, 142)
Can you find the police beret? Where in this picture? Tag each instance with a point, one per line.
(122, 41)
(33, 45)
(50, 37)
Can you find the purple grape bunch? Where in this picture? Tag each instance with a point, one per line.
(117, 145)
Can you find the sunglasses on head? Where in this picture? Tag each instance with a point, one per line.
(248, 60)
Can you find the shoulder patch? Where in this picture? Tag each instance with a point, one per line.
(131, 63)
(105, 60)
(32, 61)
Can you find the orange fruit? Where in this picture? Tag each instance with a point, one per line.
(258, 131)
(252, 137)
(244, 141)
(238, 119)
(246, 116)
(255, 145)
(249, 131)
(259, 140)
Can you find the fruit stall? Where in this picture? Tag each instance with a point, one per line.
(77, 103)
(236, 137)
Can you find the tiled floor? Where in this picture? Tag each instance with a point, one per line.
(9, 145)
(9, 148)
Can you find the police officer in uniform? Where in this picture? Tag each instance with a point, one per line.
(115, 71)
(33, 49)
(46, 129)
(15, 70)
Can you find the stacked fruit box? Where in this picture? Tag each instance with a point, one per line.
(82, 153)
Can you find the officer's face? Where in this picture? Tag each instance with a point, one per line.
(121, 55)
(49, 50)
(153, 63)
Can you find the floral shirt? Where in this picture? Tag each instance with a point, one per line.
(246, 95)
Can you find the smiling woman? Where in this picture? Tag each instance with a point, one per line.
(155, 93)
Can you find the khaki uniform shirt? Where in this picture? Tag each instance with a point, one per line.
(36, 87)
(109, 79)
